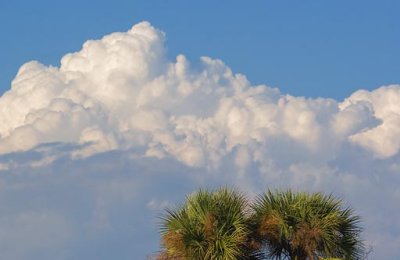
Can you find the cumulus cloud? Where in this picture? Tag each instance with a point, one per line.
(101, 144)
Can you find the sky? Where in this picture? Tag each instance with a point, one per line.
(305, 48)
(112, 112)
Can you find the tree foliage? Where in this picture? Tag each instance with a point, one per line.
(223, 225)
(306, 226)
(210, 225)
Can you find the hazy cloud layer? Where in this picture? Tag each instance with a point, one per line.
(91, 152)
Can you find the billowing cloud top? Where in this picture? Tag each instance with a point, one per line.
(120, 97)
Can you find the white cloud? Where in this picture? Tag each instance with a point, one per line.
(119, 131)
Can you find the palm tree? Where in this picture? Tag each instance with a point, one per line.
(209, 225)
(300, 226)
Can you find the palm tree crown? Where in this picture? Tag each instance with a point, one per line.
(209, 225)
(305, 226)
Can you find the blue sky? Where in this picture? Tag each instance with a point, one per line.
(309, 48)
(94, 146)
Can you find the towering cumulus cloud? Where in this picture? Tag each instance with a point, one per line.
(93, 150)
